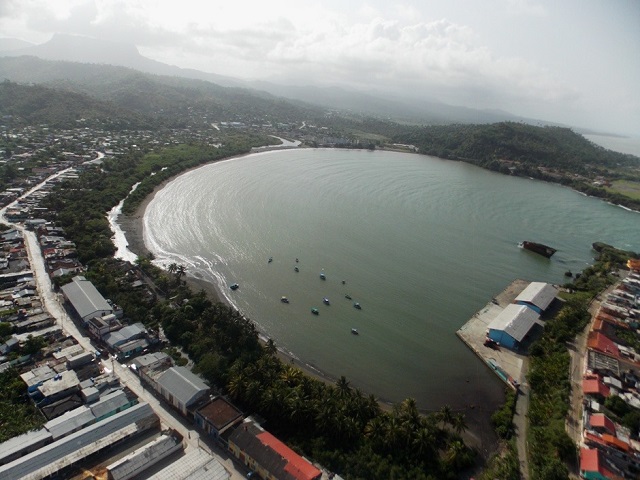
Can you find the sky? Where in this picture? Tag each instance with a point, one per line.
(575, 62)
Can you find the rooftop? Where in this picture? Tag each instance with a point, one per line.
(515, 320)
(219, 413)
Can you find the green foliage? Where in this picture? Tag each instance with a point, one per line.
(35, 104)
(502, 418)
(17, 413)
(504, 465)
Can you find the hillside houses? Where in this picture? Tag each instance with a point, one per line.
(611, 386)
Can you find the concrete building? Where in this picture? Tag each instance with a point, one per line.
(267, 456)
(216, 417)
(537, 296)
(511, 326)
(85, 299)
(152, 361)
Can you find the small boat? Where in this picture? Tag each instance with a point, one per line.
(296, 260)
(315, 311)
(234, 286)
(344, 281)
(325, 300)
(355, 331)
(323, 276)
(347, 296)
(296, 269)
(270, 259)
(284, 300)
(357, 305)
(538, 248)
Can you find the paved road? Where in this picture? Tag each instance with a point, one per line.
(521, 422)
(52, 303)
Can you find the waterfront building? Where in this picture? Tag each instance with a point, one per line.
(512, 325)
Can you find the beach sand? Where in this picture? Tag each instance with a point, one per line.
(479, 433)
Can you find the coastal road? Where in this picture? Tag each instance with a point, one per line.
(52, 302)
(521, 422)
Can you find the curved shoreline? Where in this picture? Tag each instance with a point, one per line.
(134, 230)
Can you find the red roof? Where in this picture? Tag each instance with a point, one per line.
(296, 466)
(615, 442)
(600, 420)
(601, 343)
(594, 386)
(589, 460)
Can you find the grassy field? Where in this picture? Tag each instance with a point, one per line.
(626, 187)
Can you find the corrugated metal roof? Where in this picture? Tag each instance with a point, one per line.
(109, 403)
(68, 450)
(515, 320)
(150, 359)
(23, 442)
(124, 334)
(70, 421)
(182, 384)
(85, 298)
(144, 457)
(194, 465)
(539, 294)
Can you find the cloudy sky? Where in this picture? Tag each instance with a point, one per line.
(570, 61)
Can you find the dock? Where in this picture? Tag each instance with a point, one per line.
(505, 363)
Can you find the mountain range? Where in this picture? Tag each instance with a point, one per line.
(71, 48)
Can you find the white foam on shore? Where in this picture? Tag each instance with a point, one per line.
(119, 239)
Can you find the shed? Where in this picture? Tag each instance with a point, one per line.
(125, 334)
(511, 326)
(85, 299)
(537, 296)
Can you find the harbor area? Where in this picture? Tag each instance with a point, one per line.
(507, 364)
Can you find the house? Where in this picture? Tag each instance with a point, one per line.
(512, 325)
(100, 326)
(602, 424)
(267, 456)
(125, 334)
(592, 466)
(538, 296)
(216, 417)
(592, 385)
(151, 361)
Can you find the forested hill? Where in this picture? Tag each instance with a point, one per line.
(37, 105)
(179, 101)
(496, 145)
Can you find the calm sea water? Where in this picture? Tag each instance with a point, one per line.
(421, 243)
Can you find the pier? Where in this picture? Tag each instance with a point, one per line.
(506, 364)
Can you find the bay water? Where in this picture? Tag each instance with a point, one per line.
(421, 243)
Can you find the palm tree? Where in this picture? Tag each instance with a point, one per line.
(181, 271)
(458, 423)
(270, 347)
(172, 268)
(343, 387)
(445, 415)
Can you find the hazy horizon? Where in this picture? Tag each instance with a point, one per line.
(572, 62)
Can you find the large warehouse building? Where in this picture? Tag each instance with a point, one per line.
(512, 325)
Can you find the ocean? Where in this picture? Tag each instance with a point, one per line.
(421, 243)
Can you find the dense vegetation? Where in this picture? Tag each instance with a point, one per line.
(335, 424)
(35, 104)
(550, 446)
(547, 153)
(17, 413)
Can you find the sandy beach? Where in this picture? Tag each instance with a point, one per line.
(133, 226)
